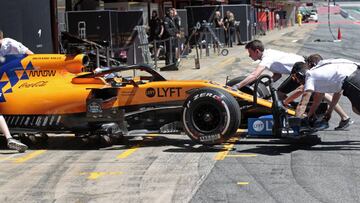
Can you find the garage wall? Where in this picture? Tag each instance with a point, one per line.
(28, 22)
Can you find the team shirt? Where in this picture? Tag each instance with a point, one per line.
(278, 61)
(10, 46)
(328, 75)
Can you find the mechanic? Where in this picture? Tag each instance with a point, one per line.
(276, 61)
(328, 76)
(345, 121)
(10, 46)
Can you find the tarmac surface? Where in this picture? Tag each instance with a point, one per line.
(171, 168)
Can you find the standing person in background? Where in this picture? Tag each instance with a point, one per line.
(219, 25)
(156, 31)
(170, 33)
(156, 27)
(10, 46)
(238, 33)
(177, 21)
(277, 20)
(299, 18)
(218, 21)
(229, 26)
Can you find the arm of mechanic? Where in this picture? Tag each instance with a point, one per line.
(296, 93)
(301, 108)
(250, 78)
(161, 31)
(28, 52)
(317, 99)
(334, 102)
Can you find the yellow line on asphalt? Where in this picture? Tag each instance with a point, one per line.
(128, 152)
(136, 147)
(243, 183)
(27, 157)
(96, 175)
(227, 147)
(241, 155)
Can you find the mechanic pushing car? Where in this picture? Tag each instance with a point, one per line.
(328, 76)
(282, 63)
(276, 61)
(10, 46)
(345, 121)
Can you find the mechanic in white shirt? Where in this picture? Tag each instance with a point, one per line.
(312, 61)
(328, 76)
(277, 62)
(10, 46)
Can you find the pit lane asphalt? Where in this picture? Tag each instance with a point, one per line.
(170, 168)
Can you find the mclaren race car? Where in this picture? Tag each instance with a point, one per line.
(51, 93)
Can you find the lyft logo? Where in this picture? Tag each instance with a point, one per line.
(260, 125)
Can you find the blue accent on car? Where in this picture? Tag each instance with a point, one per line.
(9, 66)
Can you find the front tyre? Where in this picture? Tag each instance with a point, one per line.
(211, 116)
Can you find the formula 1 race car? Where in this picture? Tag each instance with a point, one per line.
(50, 93)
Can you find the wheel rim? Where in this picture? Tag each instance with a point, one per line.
(206, 118)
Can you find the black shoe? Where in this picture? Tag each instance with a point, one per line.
(343, 124)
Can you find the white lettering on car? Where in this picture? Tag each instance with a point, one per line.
(207, 138)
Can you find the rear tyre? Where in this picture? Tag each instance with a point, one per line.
(211, 116)
(262, 91)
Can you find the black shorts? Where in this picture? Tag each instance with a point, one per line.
(351, 87)
(288, 85)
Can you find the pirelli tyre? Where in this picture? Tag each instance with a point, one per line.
(262, 91)
(211, 116)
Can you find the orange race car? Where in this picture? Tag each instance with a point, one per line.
(50, 93)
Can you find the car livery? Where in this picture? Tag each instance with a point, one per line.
(50, 93)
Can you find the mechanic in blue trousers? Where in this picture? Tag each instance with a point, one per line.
(337, 76)
(345, 121)
(276, 61)
(11, 46)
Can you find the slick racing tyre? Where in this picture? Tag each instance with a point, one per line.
(262, 91)
(211, 116)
